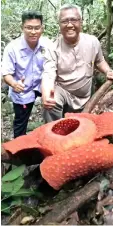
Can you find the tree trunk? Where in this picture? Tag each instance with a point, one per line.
(109, 25)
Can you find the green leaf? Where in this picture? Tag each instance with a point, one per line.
(24, 192)
(30, 210)
(5, 207)
(13, 186)
(17, 185)
(4, 2)
(6, 187)
(13, 174)
(16, 202)
(27, 192)
(104, 185)
(111, 56)
(109, 207)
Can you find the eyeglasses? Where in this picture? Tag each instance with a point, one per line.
(70, 20)
(30, 28)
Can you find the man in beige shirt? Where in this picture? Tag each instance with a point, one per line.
(69, 66)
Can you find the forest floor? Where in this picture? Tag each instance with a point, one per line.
(96, 208)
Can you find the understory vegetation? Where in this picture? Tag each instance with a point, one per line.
(97, 20)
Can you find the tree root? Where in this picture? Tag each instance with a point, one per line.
(107, 99)
(97, 96)
(105, 104)
(62, 210)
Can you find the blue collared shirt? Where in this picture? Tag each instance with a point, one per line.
(21, 61)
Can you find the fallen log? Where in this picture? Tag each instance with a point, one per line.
(65, 208)
(64, 211)
(107, 99)
(105, 104)
(97, 96)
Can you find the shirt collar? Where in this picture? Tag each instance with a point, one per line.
(24, 44)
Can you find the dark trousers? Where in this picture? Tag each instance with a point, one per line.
(22, 114)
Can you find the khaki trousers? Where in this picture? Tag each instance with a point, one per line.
(64, 103)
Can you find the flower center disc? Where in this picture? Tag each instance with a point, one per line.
(65, 127)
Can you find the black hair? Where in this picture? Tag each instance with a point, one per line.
(30, 15)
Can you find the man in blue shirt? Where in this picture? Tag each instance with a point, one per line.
(22, 68)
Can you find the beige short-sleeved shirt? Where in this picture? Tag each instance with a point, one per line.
(72, 67)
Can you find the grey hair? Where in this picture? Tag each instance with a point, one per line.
(69, 6)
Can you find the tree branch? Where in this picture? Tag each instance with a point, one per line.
(102, 34)
(52, 4)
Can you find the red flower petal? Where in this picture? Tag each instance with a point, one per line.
(21, 143)
(65, 166)
(104, 122)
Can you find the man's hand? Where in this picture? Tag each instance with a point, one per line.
(18, 86)
(109, 74)
(48, 100)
